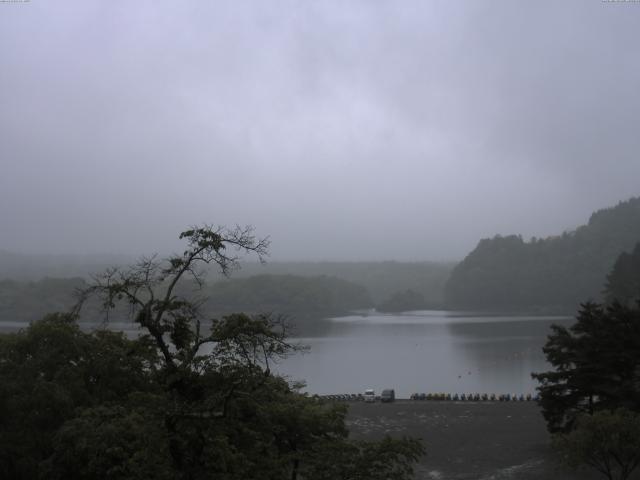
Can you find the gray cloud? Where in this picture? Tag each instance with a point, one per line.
(345, 130)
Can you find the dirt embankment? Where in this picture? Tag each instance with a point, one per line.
(468, 440)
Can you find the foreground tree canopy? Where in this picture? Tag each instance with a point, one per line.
(608, 441)
(191, 398)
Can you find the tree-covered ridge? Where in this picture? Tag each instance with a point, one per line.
(302, 290)
(623, 283)
(287, 294)
(506, 272)
(302, 299)
(381, 279)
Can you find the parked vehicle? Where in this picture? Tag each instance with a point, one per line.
(369, 395)
(388, 395)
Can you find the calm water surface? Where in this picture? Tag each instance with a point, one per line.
(424, 351)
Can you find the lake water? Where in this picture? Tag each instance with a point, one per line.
(424, 351)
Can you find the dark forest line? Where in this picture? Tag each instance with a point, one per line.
(295, 297)
(548, 274)
(382, 279)
(302, 291)
(301, 300)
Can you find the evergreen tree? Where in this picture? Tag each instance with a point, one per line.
(596, 365)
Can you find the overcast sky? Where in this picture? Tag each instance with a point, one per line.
(353, 130)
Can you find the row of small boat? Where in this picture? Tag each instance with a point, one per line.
(475, 397)
(347, 397)
(443, 397)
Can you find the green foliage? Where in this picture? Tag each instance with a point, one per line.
(289, 295)
(51, 370)
(623, 283)
(183, 402)
(555, 273)
(109, 442)
(84, 406)
(608, 441)
(596, 365)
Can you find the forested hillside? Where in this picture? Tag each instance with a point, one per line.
(623, 283)
(301, 299)
(555, 273)
(287, 294)
(381, 279)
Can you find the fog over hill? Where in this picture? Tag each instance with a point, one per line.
(20, 266)
(380, 279)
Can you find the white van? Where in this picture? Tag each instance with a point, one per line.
(369, 395)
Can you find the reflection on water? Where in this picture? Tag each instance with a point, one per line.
(426, 351)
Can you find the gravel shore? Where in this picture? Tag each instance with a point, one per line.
(468, 440)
